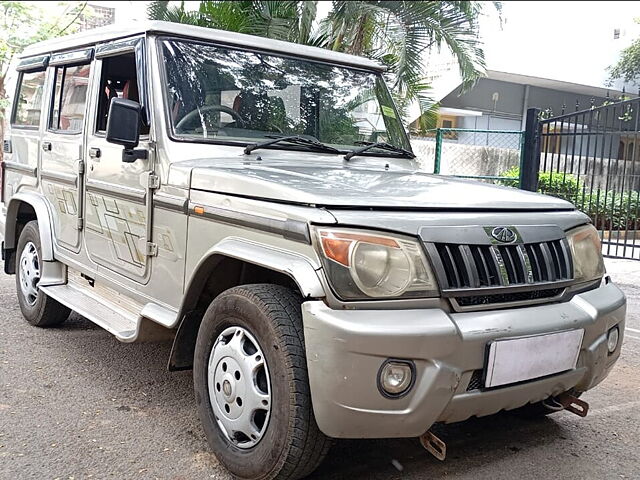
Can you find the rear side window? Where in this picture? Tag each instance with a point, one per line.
(28, 100)
(69, 98)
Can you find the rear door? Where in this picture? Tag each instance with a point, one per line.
(63, 143)
(22, 142)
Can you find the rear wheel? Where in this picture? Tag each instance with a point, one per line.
(37, 308)
(251, 385)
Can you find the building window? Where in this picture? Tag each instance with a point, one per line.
(447, 122)
(28, 99)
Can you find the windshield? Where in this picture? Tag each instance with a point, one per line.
(220, 94)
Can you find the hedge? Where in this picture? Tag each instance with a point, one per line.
(608, 209)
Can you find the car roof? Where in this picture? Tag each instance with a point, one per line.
(115, 32)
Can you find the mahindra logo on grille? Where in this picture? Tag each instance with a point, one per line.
(504, 234)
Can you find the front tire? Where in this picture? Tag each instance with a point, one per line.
(37, 308)
(251, 385)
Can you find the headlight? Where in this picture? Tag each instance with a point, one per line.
(586, 250)
(363, 265)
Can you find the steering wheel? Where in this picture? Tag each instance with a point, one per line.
(196, 113)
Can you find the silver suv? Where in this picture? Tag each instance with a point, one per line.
(258, 202)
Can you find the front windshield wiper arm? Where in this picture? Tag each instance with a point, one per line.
(295, 139)
(380, 145)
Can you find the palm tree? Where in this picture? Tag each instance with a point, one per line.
(395, 33)
(283, 20)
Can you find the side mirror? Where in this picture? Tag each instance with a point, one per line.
(123, 124)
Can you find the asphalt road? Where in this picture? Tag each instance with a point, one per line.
(75, 403)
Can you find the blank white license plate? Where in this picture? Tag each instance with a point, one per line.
(518, 359)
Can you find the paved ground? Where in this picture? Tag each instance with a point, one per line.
(75, 403)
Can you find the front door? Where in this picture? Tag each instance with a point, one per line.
(62, 147)
(117, 203)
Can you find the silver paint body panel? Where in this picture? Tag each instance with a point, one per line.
(346, 348)
(328, 180)
(137, 250)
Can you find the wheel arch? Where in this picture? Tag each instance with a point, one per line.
(21, 209)
(231, 263)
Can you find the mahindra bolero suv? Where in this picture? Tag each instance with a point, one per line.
(258, 202)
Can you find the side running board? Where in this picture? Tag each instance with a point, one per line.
(118, 321)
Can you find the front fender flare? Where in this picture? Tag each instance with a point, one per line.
(296, 266)
(39, 205)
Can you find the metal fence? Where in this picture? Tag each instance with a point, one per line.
(486, 155)
(591, 158)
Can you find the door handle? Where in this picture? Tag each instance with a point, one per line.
(94, 152)
(46, 146)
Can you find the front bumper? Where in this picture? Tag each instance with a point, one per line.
(345, 349)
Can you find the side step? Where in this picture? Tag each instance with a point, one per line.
(121, 323)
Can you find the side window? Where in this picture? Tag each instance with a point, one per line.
(119, 79)
(28, 99)
(69, 98)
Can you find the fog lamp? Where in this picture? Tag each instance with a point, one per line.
(612, 339)
(396, 378)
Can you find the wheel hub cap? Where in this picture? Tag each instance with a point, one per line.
(29, 273)
(226, 388)
(239, 388)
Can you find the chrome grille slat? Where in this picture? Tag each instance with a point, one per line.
(546, 255)
(567, 257)
(535, 264)
(470, 266)
(525, 263)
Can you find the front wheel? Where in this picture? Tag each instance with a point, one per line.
(251, 385)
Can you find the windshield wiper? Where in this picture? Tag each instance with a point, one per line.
(382, 146)
(296, 140)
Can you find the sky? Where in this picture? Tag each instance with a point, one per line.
(562, 40)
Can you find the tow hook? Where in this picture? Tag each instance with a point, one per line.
(434, 445)
(573, 404)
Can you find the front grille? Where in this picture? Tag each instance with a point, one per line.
(476, 381)
(476, 300)
(477, 266)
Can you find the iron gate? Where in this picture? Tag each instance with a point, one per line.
(591, 158)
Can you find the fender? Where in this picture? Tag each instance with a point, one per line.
(44, 222)
(296, 266)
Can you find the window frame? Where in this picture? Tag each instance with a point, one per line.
(52, 100)
(113, 48)
(99, 77)
(239, 143)
(16, 97)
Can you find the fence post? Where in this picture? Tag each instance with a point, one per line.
(530, 164)
(436, 162)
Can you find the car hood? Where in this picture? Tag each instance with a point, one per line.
(351, 186)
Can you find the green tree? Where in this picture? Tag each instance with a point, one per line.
(282, 20)
(627, 67)
(395, 33)
(23, 23)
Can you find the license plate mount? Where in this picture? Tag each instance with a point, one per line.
(518, 359)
